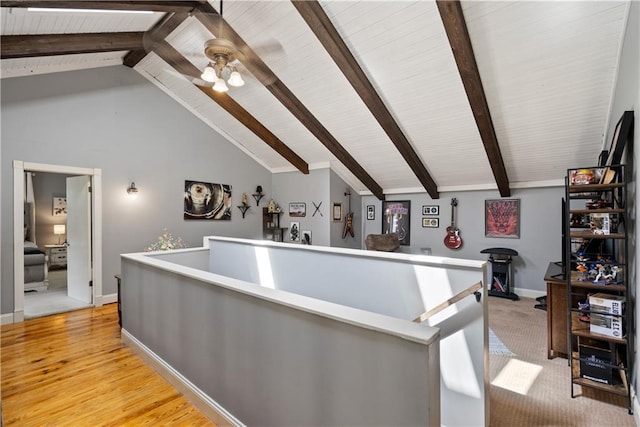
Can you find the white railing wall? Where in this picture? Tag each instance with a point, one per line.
(282, 334)
(397, 285)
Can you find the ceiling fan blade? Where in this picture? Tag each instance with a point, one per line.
(195, 79)
(269, 48)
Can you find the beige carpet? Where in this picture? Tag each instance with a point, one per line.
(530, 390)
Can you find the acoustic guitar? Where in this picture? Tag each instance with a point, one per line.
(453, 239)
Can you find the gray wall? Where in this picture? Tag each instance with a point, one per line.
(321, 185)
(112, 118)
(297, 187)
(337, 189)
(540, 229)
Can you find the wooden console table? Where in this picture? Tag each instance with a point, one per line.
(557, 332)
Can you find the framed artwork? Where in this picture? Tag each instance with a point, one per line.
(59, 206)
(502, 218)
(297, 209)
(294, 231)
(396, 218)
(620, 137)
(337, 211)
(306, 237)
(430, 222)
(204, 200)
(371, 212)
(430, 210)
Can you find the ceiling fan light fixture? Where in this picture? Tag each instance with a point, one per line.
(221, 54)
(209, 74)
(220, 86)
(235, 79)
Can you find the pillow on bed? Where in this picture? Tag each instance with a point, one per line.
(30, 248)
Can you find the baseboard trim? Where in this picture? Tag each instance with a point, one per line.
(109, 299)
(529, 293)
(209, 407)
(636, 407)
(6, 319)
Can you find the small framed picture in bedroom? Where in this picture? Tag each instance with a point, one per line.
(59, 206)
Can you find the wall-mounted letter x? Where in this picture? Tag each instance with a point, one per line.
(317, 208)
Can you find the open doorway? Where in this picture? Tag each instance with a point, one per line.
(47, 253)
(74, 256)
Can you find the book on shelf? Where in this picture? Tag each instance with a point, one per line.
(608, 176)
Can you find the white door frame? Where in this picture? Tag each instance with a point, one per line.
(18, 228)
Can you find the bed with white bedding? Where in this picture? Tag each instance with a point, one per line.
(35, 268)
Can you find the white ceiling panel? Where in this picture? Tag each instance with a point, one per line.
(408, 59)
(313, 77)
(19, 67)
(548, 72)
(21, 21)
(547, 69)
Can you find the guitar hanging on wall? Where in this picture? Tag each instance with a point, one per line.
(453, 239)
(348, 219)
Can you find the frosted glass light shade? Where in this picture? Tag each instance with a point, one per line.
(220, 86)
(209, 74)
(235, 79)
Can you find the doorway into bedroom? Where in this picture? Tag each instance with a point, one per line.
(55, 271)
(46, 228)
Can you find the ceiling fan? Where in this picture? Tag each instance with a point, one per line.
(222, 54)
(226, 61)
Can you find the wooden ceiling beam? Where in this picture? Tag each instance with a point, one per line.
(137, 5)
(318, 21)
(158, 33)
(183, 66)
(456, 29)
(23, 46)
(210, 18)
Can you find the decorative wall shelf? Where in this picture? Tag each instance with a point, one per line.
(258, 197)
(243, 208)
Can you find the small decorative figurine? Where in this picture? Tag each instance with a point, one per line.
(272, 206)
(582, 266)
(245, 199)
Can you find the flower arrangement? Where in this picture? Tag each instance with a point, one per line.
(166, 241)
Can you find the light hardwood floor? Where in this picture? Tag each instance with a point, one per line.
(72, 370)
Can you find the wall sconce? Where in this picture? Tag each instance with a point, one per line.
(132, 190)
(59, 229)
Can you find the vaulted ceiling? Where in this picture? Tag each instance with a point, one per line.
(394, 96)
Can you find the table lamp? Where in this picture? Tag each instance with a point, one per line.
(59, 229)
